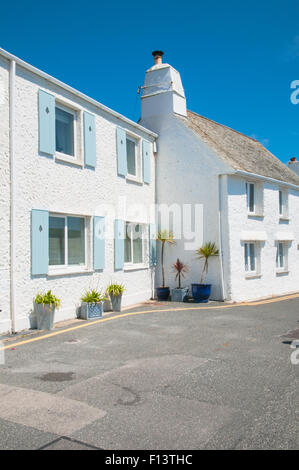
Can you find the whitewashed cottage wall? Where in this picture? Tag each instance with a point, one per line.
(43, 183)
(269, 283)
(4, 197)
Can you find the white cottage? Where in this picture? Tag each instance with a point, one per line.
(70, 167)
(72, 170)
(250, 198)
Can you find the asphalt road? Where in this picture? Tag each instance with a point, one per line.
(218, 378)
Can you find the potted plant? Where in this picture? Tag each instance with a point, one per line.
(165, 237)
(180, 293)
(115, 292)
(44, 306)
(201, 292)
(92, 304)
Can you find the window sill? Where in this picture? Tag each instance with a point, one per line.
(61, 157)
(66, 272)
(253, 276)
(284, 219)
(134, 179)
(251, 214)
(136, 267)
(282, 271)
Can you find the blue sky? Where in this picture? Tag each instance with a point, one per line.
(236, 59)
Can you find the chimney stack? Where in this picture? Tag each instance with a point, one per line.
(294, 165)
(158, 57)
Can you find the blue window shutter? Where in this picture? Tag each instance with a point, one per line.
(99, 242)
(90, 155)
(39, 242)
(119, 244)
(121, 146)
(152, 245)
(146, 161)
(46, 117)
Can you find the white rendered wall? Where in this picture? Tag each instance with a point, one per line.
(43, 183)
(270, 283)
(4, 197)
(187, 173)
(294, 166)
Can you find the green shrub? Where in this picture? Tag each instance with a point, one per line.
(115, 289)
(47, 299)
(92, 296)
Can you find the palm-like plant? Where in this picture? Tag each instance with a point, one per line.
(205, 252)
(164, 236)
(180, 269)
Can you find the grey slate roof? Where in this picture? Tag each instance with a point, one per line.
(238, 150)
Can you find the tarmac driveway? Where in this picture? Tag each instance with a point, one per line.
(216, 378)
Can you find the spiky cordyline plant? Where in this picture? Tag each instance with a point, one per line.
(164, 236)
(92, 296)
(207, 251)
(180, 269)
(47, 298)
(115, 289)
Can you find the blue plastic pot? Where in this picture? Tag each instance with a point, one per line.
(163, 293)
(201, 292)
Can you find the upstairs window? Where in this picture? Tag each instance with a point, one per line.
(64, 126)
(283, 203)
(131, 156)
(250, 190)
(255, 198)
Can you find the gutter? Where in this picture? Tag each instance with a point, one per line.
(68, 88)
(12, 74)
(267, 178)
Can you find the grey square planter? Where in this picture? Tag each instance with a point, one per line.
(179, 295)
(44, 316)
(91, 311)
(116, 302)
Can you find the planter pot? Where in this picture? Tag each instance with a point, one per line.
(91, 311)
(201, 292)
(116, 302)
(179, 295)
(44, 316)
(163, 293)
(107, 307)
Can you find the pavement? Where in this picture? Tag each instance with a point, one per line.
(158, 376)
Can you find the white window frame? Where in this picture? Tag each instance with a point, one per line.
(138, 160)
(284, 245)
(248, 184)
(66, 268)
(249, 271)
(74, 159)
(284, 205)
(131, 265)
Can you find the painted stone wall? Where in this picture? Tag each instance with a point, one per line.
(45, 183)
(4, 197)
(270, 283)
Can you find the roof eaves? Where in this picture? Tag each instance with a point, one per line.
(68, 88)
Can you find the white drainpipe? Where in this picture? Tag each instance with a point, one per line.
(222, 285)
(12, 75)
